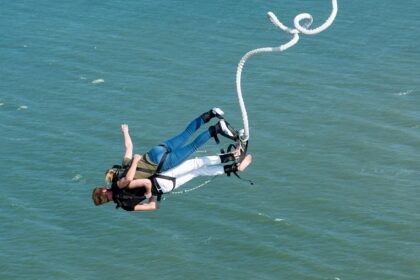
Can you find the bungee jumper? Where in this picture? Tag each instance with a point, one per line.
(174, 151)
(165, 167)
(128, 193)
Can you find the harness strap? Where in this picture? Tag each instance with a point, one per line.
(240, 178)
(162, 160)
(156, 189)
(231, 147)
(172, 179)
(150, 171)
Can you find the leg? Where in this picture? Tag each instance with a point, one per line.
(182, 138)
(157, 152)
(191, 165)
(203, 171)
(187, 171)
(179, 155)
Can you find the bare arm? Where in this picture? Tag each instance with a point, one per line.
(150, 206)
(125, 181)
(142, 183)
(127, 142)
(133, 167)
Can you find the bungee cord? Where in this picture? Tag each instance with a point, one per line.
(295, 32)
(244, 133)
(194, 188)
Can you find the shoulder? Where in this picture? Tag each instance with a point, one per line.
(126, 161)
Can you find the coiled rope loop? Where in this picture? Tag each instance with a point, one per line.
(295, 32)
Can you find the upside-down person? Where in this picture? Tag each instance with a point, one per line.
(128, 193)
(174, 151)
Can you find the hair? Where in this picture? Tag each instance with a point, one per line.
(109, 175)
(99, 196)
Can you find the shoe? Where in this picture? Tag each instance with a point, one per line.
(223, 128)
(215, 112)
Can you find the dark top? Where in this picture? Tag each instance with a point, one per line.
(127, 198)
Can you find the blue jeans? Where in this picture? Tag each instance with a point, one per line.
(179, 151)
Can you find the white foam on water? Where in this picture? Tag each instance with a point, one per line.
(77, 177)
(271, 218)
(98, 81)
(23, 107)
(1, 104)
(402, 93)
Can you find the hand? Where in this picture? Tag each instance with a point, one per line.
(124, 128)
(148, 195)
(136, 157)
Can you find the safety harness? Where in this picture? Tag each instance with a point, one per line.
(231, 148)
(129, 198)
(121, 170)
(156, 189)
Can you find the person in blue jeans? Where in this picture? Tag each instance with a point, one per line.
(174, 151)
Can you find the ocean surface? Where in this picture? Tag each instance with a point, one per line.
(334, 134)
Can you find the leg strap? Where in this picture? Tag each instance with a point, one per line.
(162, 160)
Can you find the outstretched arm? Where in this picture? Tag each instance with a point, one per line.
(127, 142)
(133, 167)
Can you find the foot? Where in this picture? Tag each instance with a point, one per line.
(244, 164)
(226, 130)
(217, 112)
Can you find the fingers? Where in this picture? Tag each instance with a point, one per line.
(124, 127)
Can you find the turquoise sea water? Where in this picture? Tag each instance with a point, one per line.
(335, 136)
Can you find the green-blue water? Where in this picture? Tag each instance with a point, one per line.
(335, 135)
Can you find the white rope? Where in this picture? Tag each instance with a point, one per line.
(295, 32)
(194, 188)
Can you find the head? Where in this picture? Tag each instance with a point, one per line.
(110, 174)
(101, 195)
